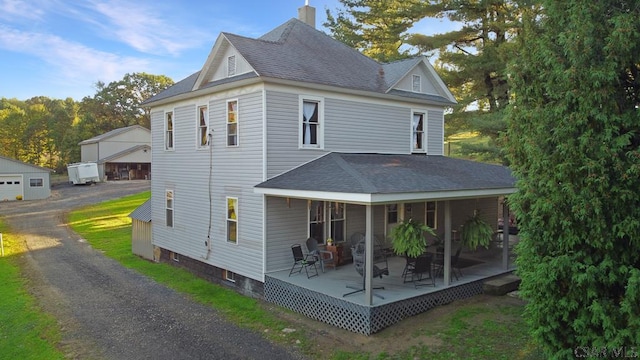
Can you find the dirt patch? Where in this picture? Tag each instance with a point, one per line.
(419, 330)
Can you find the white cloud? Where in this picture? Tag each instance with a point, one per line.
(144, 27)
(19, 9)
(70, 62)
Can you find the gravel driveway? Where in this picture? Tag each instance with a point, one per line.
(107, 311)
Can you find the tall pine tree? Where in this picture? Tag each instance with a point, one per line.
(574, 144)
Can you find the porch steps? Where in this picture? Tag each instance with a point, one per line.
(501, 285)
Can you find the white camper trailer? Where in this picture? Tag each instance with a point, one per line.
(83, 173)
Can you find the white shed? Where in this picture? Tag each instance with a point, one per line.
(121, 154)
(19, 180)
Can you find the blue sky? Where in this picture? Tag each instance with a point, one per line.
(61, 48)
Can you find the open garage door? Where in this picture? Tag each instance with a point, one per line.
(10, 187)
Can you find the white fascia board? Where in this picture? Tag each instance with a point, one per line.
(356, 198)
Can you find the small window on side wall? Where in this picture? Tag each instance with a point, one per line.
(36, 182)
(416, 83)
(168, 126)
(169, 207)
(203, 127)
(232, 220)
(232, 123)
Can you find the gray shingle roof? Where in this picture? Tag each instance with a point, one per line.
(142, 212)
(109, 134)
(298, 52)
(389, 174)
(123, 153)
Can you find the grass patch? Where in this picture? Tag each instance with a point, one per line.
(26, 332)
(106, 226)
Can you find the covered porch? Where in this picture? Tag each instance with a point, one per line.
(360, 185)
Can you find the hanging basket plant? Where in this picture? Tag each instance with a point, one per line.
(476, 232)
(408, 238)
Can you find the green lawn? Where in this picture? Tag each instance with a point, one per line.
(25, 331)
(470, 331)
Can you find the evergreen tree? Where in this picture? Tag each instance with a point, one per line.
(377, 28)
(574, 143)
(472, 62)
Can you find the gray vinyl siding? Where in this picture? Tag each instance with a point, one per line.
(349, 126)
(435, 132)
(287, 226)
(89, 152)
(235, 171)
(282, 134)
(27, 171)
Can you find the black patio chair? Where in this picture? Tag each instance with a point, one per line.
(302, 261)
(455, 268)
(359, 264)
(422, 270)
(324, 257)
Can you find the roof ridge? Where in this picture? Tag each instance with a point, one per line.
(342, 163)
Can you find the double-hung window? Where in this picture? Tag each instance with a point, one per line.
(232, 220)
(416, 83)
(203, 127)
(316, 220)
(168, 128)
(337, 222)
(169, 207)
(232, 123)
(418, 136)
(311, 119)
(431, 212)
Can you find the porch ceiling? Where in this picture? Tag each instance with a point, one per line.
(385, 178)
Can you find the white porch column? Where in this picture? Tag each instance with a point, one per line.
(505, 234)
(447, 243)
(368, 273)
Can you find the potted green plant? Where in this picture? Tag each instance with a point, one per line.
(476, 232)
(408, 238)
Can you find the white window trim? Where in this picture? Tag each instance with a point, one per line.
(167, 193)
(36, 186)
(226, 220)
(332, 220)
(198, 128)
(413, 77)
(230, 276)
(435, 214)
(226, 121)
(321, 122)
(173, 131)
(425, 128)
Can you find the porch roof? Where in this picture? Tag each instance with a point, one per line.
(387, 178)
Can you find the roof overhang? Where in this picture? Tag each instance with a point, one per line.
(374, 199)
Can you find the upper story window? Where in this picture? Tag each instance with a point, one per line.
(168, 128)
(416, 83)
(203, 127)
(311, 119)
(232, 123)
(232, 220)
(169, 207)
(418, 137)
(231, 65)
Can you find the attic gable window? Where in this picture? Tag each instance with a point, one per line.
(203, 127)
(311, 119)
(418, 133)
(231, 65)
(168, 128)
(417, 83)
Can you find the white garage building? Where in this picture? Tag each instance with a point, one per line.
(19, 180)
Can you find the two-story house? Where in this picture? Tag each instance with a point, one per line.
(295, 135)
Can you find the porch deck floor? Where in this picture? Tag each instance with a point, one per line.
(334, 282)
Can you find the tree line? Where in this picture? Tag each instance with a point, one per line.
(46, 132)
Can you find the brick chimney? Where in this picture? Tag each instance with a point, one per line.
(307, 14)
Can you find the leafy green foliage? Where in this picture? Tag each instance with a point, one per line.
(476, 232)
(409, 238)
(574, 144)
